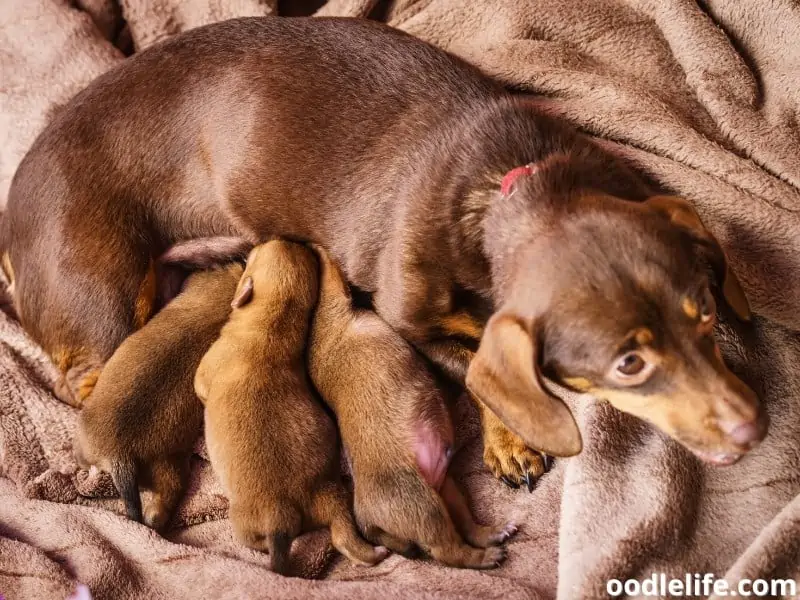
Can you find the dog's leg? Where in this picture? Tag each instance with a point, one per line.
(506, 455)
(167, 482)
(92, 333)
(418, 304)
(461, 555)
(480, 536)
(77, 380)
(330, 507)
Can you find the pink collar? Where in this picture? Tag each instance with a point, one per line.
(511, 177)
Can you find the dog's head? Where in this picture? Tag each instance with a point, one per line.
(613, 298)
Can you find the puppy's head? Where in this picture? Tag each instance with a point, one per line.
(282, 270)
(613, 298)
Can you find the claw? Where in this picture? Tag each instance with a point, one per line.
(548, 462)
(530, 482)
(512, 484)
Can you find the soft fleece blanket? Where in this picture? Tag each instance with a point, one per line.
(701, 96)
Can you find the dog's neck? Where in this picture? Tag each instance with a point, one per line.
(514, 167)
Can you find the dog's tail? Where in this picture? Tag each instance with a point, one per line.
(283, 524)
(123, 472)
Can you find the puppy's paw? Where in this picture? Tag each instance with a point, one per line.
(502, 535)
(493, 557)
(483, 536)
(381, 552)
(510, 460)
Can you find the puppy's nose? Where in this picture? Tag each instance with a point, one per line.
(747, 433)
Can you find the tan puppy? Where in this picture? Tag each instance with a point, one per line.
(270, 441)
(397, 434)
(143, 418)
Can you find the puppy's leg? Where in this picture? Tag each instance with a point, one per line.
(167, 481)
(412, 509)
(405, 548)
(268, 527)
(477, 535)
(455, 553)
(330, 507)
(444, 544)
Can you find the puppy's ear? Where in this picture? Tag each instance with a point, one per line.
(682, 214)
(505, 375)
(244, 292)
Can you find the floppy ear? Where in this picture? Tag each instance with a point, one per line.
(682, 214)
(244, 292)
(505, 376)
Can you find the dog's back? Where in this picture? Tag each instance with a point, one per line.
(169, 166)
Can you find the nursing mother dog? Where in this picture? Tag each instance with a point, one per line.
(503, 245)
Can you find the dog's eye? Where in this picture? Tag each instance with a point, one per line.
(631, 364)
(708, 307)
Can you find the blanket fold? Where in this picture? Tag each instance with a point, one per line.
(701, 97)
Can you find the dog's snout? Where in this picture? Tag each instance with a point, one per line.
(747, 433)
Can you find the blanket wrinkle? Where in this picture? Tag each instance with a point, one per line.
(700, 97)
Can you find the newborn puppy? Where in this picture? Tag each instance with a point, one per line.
(271, 443)
(397, 434)
(142, 419)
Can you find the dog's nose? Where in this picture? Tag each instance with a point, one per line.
(748, 433)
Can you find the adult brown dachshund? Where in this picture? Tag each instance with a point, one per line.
(390, 153)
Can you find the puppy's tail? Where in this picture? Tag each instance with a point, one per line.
(123, 472)
(279, 543)
(331, 505)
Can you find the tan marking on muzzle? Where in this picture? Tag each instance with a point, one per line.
(685, 415)
(656, 408)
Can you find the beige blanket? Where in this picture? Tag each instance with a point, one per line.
(703, 97)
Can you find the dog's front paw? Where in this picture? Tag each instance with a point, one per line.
(510, 460)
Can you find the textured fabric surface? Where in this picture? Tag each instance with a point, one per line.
(702, 97)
